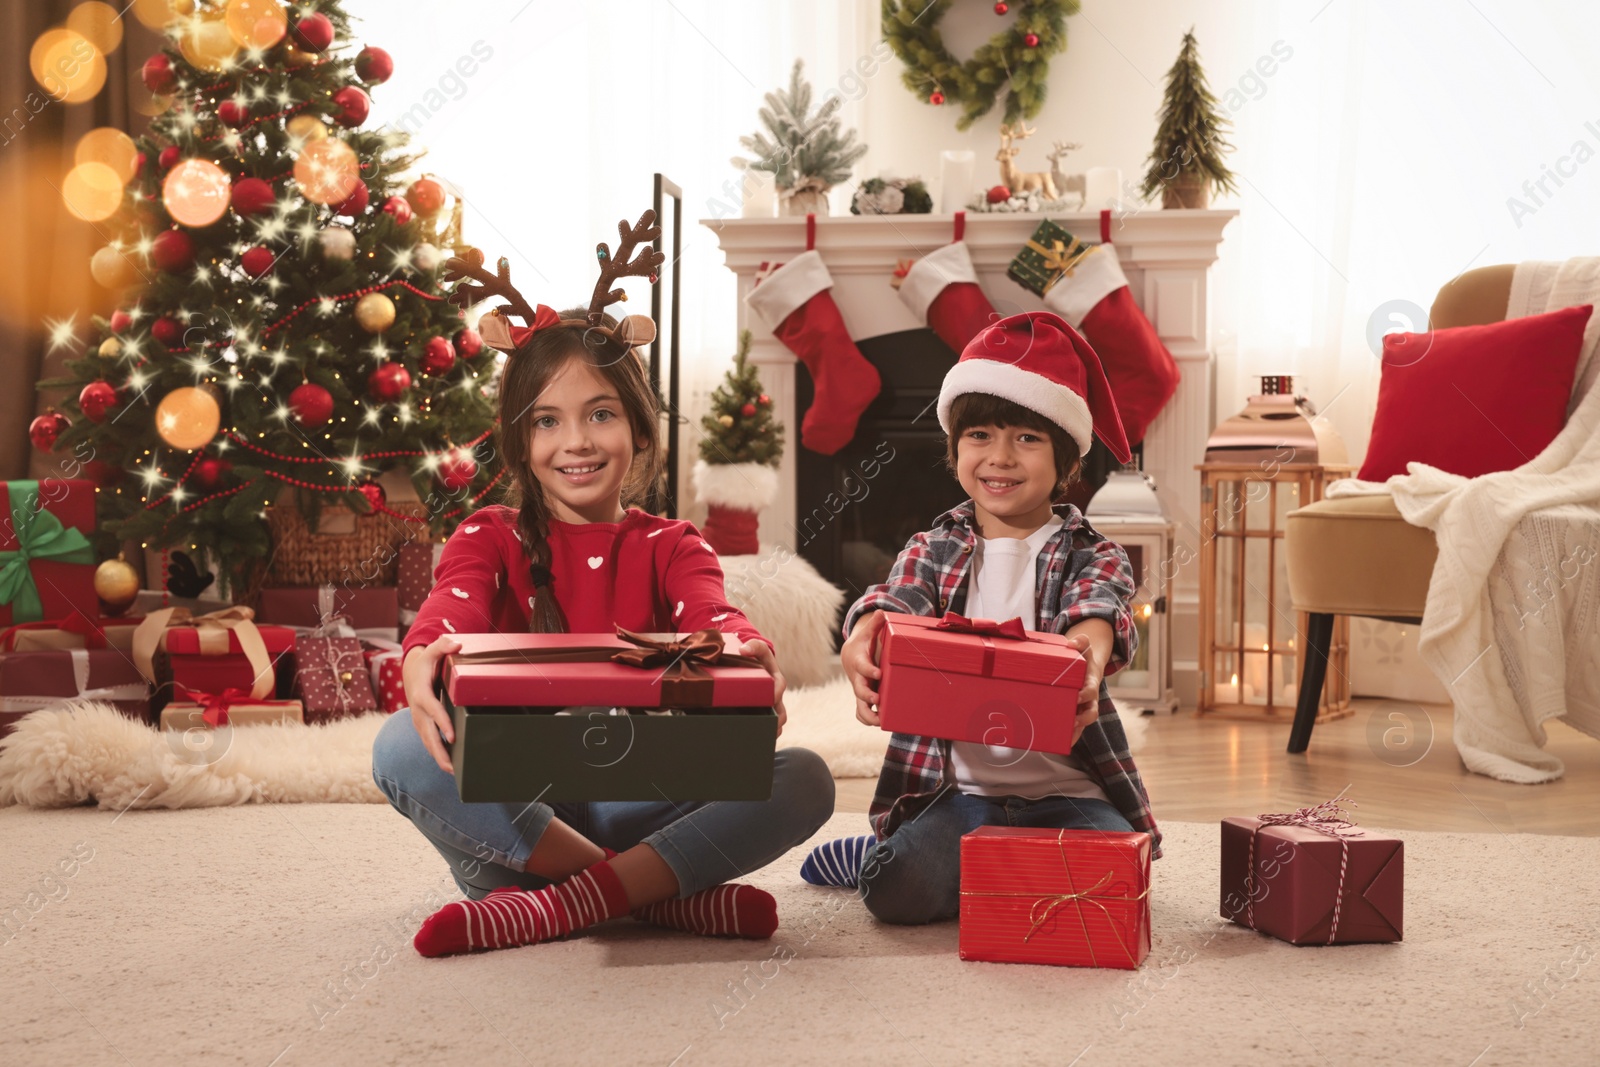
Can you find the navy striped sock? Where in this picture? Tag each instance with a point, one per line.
(837, 862)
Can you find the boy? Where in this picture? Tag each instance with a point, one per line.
(1019, 408)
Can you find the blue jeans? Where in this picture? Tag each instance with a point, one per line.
(914, 874)
(705, 843)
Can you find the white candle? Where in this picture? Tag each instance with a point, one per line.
(955, 180)
(1226, 694)
(760, 195)
(1102, 188)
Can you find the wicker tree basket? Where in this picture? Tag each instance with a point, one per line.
(369, 556)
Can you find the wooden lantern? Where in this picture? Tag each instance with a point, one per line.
(1126, 510)
(1261, 464)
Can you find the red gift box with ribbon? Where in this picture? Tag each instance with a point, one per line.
(1074, 898)
(30, 681)
(213, 652)
(73, 631)
(46, 560)
(332, 677)
(333, 610)
(1312, 877)
(383, 664)
(995, 683)
(192, 709)
(631, 670)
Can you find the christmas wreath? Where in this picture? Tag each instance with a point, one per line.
(1017, 58)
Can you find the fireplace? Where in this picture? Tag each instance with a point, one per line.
(851, 513)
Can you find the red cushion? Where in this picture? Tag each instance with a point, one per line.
(1474, 399)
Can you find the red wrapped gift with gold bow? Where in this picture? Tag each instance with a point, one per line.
(995, 683)
(1075, 898)
(213, 652)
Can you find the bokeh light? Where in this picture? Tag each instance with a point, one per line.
(256, 23)
(92, 191)
(207, 44)
(109, 146)
(153, 13)
(196, 192)
(188, 418)
(67, 65)
(99, 23)
(327, 171)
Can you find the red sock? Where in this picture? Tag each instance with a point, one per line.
(729, 910)
(509, 916)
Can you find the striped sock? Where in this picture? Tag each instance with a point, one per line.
(837, 862)
(728, 910)
(509, 916)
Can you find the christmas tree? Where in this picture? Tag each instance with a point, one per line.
(281, 330)
(740, 428)
(1189, 147)
(807, 154)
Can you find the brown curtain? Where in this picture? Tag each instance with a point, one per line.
(44, 251)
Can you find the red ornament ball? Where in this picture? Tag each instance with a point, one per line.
(374, 493)
(438, 356)
(97, 400)
(374, 65)
(139, 160)
(355, 203)
(748, 409)
(172, 251)
(168, 157)
(101, 473)
(257, 261)
(763, 400)
(1002, 7)
(353, 106)
(456, 471)
(313, 33)
(425, 196)
(44, 430)
(936, 98)
(233, 115)
(397, 206)
(389, 382)
(120, 321)
(310, 405)
(1031, 40)
(158, 74)
(168, 331)
(469, 342)
(210, 473)
(997, 194)
(252, 196)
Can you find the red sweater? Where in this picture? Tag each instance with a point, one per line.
(645, 573)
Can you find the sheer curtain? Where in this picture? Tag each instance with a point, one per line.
(568, 110)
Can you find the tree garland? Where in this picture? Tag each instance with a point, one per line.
(1017, 58)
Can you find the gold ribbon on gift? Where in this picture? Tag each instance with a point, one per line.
(684, 678)
(1045, 907)
(1060, 259)
(212, 630)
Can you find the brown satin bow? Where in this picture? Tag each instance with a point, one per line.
(960, 624)
(685, 679)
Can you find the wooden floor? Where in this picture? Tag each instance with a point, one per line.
(1200, 770)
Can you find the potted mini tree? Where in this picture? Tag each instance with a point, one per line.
(1186, 161)
(737, 474)
(807, 154)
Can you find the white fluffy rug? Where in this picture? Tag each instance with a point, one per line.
(281, 935)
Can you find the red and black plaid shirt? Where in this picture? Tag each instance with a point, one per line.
(1079, 575)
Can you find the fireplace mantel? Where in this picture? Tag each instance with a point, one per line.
(1166, 255)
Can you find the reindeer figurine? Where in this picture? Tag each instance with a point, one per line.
(1013, 179)
(1065, 183)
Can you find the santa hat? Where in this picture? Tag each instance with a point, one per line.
(1036, 360)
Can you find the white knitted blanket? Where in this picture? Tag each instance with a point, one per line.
(1512, 621)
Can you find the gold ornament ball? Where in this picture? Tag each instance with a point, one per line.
(307, 128)
(294, 57)
(113, 269)
(256, 23)
(188, 418)
(116, 583)
(208, 44)
(375, 313)
(110, 348)
(725, 420)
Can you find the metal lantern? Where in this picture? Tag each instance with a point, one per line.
(1126, 510)
(1273, 457)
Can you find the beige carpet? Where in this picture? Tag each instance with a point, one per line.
(280, 935)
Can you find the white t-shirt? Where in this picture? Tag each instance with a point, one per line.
(1001, 586)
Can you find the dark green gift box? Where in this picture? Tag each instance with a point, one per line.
(710, 748)
(1050, 255)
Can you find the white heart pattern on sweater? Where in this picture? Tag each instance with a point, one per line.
(719, 618)
(462, 593)
(652, 533)
(595, 561)
(469, 529)
(530, 603)
(679, 610)
(447, 625)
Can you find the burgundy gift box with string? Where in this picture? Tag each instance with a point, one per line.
(1074, 898)
(332, 678)
(30, 681)
(979, 680)
(1311, 877)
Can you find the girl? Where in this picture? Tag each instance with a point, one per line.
(578, 433)
(1019, 408)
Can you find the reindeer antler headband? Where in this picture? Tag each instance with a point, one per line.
(632, 331)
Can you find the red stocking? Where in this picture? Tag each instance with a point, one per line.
(941, 288)
(795, 302)
(1095, 299)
